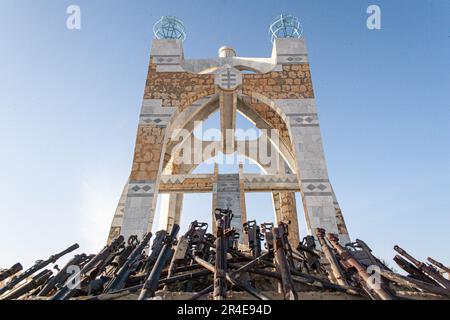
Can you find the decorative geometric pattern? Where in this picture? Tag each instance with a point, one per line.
(317, 187)
(167, 60)
(321, 187)
(147, 188)
(181, 178)
(263, 183)
(158, 121)
(298, 59)
(228, 78)
(292, 58)
(204, 183)
(186, 183)
(304, 120)
(288, 178)
(156, 116)
(141, 188)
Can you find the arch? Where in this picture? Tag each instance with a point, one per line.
(274, 119)
(186, 118)
(271, 117)
(171, 168)
(250, 96)
(262, 121)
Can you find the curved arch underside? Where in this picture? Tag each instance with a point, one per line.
(261, 115)
(278, 98)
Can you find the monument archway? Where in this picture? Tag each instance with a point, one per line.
(278, 94)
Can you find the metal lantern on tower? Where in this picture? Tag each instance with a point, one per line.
(286, 26)
(169, 27)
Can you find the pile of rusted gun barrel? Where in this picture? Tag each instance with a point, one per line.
(211, 266)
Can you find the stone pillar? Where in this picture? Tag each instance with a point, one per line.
(286, 211)
(171, 207)
(157, 110)
(141, 199)
(283, 95)
(228, 107)
(116, 225)
(317, 194)
(228, 195)
(244, 218)
(214, 197)
(285, 208)
(342, 227)
(303, 124)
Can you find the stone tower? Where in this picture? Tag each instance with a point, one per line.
(275, 93)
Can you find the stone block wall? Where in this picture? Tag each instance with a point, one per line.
(147, 154)
(294, 82)
(286, 211)
(177, 89)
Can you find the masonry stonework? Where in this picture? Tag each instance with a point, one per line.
(279, 94)
(271, 117)
(147, 154)
(294, 82)
(177, 89)
(286, 211)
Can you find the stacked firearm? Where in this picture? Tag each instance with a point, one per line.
(215, 266)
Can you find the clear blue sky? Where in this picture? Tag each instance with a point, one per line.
(69, 105)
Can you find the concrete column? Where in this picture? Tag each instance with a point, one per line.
(276, 199)
(214, 197)
(171, 207)
(228, 195)
(167, 55)
(244, 218)
(142, 196)
(290, 51)
(285, 209)
(116, 225)
(228, 107)
(342, 227)
(317, 193)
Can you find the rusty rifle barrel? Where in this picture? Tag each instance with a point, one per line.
(439, 265)
(350, 260)
(429, 270)
(336, 270)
